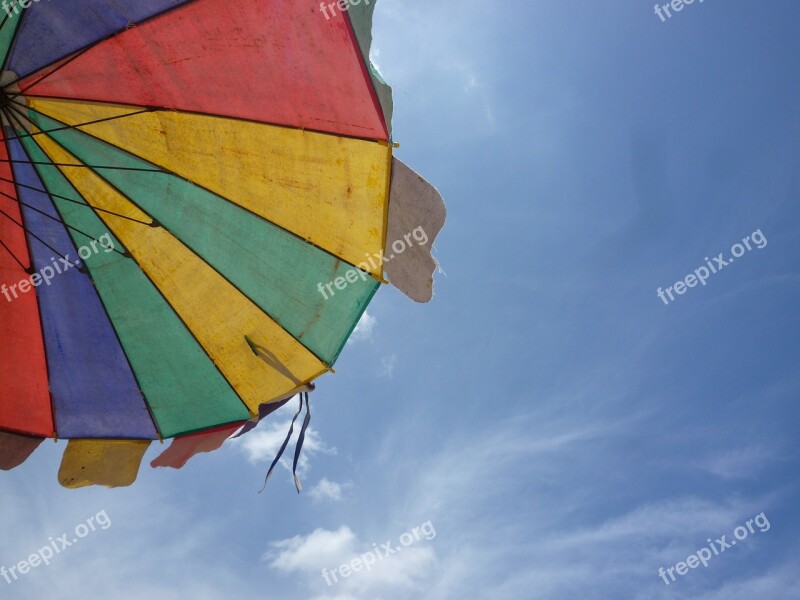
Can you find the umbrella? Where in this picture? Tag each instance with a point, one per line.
(198, 201)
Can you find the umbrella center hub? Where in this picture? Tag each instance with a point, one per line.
(13, 105)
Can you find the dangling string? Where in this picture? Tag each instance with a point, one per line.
(300, 441)
(283, 447)
(298, 447)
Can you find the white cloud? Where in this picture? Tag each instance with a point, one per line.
(326, 490)
(406, 570)
(313, 552)
(403, 569)
(387, 366)
(365, 328)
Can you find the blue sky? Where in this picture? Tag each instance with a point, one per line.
(565, 432)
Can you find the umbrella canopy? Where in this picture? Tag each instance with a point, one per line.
(180, 183)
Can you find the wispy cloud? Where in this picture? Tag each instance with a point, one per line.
(549, 464)
(312, 552)
(365, 328)
(740, 463)
(391, 575)
(326, 490)
(388, 364)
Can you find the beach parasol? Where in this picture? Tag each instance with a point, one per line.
(198, 200)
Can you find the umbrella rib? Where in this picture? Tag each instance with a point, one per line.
(64, 223)
(6, 19)
(84, 166)
(94, 167)
(79, 125)
(81, 51)
(22, 224)
(37, 238)
(14, 256)
(43, 77)
(201, 113)
(57, 220)
(79, 203)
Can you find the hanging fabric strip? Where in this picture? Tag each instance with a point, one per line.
(283, 447)
(300, 441)
(298, 448)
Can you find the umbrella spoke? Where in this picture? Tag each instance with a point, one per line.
(80, 203)
(14, 256)
(77, 125)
